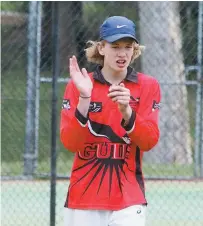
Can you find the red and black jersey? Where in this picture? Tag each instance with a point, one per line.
(107, 168)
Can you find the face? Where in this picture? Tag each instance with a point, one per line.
(117, 55)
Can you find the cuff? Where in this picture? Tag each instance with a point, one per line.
(82, 120)
(131, 122)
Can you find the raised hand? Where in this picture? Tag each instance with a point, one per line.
(80, 78)
(121, 95)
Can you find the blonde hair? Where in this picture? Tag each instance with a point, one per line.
(94, 56)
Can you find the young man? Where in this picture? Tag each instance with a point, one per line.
(109, 118)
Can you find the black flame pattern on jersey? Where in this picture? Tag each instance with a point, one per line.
(104, 165)
(109, 165)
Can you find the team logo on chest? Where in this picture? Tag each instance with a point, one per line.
(95, 107)
(155, 105)
(134, 101)
(66, 104)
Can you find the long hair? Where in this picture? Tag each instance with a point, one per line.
(94, 56)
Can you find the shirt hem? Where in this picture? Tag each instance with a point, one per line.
(103, 207)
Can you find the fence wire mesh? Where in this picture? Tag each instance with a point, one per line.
(172, 34)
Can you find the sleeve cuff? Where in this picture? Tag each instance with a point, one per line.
(82, 120)
(131, 122)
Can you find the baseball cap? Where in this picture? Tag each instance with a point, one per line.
(117, 27)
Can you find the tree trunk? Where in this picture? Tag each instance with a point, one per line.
(71, 28)
(46, 55)
(161, 34)
(66, 34)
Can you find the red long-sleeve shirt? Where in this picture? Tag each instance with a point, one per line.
(107, 168)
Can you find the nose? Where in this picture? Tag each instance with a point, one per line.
(121, 52)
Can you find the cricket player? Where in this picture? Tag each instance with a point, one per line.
(109, 119)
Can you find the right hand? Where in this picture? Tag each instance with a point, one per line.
(80, 78)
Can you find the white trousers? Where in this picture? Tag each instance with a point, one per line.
(130, 216)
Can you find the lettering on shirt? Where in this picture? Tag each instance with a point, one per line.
(103, 151)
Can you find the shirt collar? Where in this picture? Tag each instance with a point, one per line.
(131, 75)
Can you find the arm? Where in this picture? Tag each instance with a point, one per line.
(142, 126)
(74, 115)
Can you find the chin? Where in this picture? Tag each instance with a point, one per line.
(118, 69)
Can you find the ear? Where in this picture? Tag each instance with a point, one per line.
(100, 48)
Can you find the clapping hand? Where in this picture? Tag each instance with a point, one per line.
(121, 95)
(80, 78)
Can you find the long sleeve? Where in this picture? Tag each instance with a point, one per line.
(143, 126)
(73, 125)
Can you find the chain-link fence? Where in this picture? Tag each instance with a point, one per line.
(172, 34)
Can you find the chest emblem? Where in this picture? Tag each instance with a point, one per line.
(95, 107)
(134, 102)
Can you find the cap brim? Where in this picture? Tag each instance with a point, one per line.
(114, 38)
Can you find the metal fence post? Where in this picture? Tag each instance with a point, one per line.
(55, 75)
(29, 154)
(197, 156)
(37, 77)
(200, 79)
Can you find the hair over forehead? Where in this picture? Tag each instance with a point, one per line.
(93, 55)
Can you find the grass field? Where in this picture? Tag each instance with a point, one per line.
(171, 203)
(64, 168)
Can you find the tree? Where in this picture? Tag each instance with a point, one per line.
(46, 46)
(161, 34)
(71, 32)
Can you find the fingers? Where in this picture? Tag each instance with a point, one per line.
(75, 63)
(84, 72)
(71, 67)
(123, 102)
(119, 93)
(118, 90)
(120, 87)
(74, 68)
(121, 98)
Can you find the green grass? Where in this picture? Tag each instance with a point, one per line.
(64, 164)
(169, 203)
(14, 6)
(13, 118)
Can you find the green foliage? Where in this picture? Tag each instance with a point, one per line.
(189, 22)
(14, 6)
(13, 124)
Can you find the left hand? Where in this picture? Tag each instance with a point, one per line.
(121, 95)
